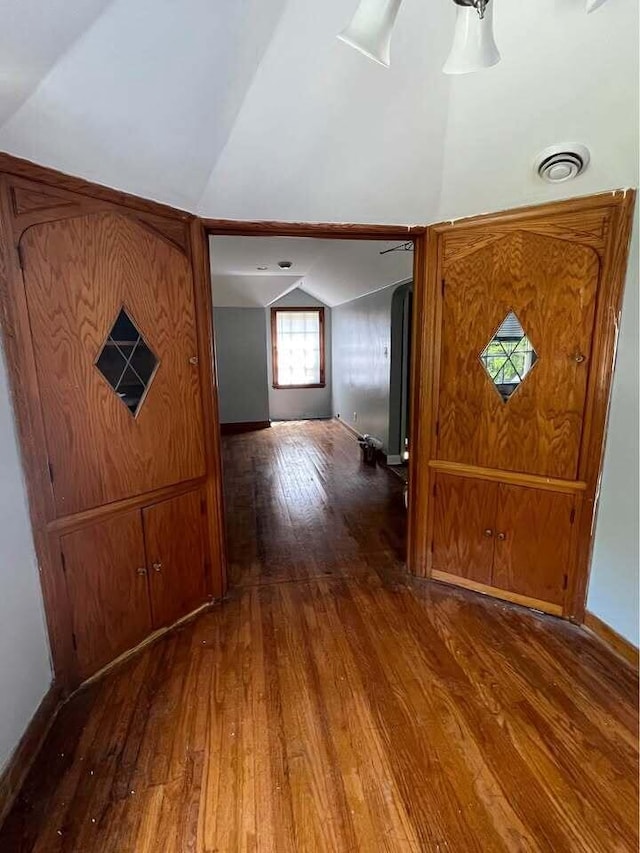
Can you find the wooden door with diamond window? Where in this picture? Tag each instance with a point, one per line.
(517, 326)
(113, 325)
(517, 323)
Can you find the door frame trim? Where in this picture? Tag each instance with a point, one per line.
(349, 231)
(602, 222)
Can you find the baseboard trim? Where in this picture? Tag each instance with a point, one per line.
(245, 426)
(15, 773)
(496, 592)
(348, 427)
(148, 641)
(610, 637)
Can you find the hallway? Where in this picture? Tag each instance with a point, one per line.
(300, 503)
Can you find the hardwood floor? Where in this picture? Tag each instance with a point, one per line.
(300, 504)
(340, 712)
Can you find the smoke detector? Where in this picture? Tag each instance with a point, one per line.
(560, 163)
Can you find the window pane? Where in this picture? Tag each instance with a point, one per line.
(298, 347)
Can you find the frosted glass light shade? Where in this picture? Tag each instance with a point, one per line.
(474, 46)
(371, 28)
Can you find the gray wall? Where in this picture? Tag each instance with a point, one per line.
(241, 353)
(25, 671)
(613, 587)
(361, 362)
(300, 403)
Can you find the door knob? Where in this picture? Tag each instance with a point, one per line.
(157, 567)
(502, 536)
(488, 533)
(142, 571)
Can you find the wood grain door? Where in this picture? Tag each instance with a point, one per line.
(80, 274)
(463, 536)
(106, 576)
(533, 542)
(173, 533)
(550, 285)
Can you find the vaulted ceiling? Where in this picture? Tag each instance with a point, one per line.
(253, 109)
(245, 271)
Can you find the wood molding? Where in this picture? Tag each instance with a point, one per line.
(148, 641)
(526, 214)
(610, 637)
(607, 324)
(330, 230)
(424, 362)
(16, 771)
(34, 203)
(85, 519)
(514, 478)
(210, 406)
(61, 181)
(243, 426)
(26, 752)
(24, 388)
(495, 592)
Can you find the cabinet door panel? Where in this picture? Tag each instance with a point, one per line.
(550, 285)
(108, 592)
(174, 534)
(464, 518)
(80, 274)
(533, 558)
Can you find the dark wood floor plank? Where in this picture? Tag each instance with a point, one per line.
(332, 703)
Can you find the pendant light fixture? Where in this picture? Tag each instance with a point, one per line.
(474, 47)
(371, 28)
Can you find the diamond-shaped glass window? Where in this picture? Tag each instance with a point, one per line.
(509, 356)
(127, 362)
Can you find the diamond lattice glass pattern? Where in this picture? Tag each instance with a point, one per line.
(127, 362)
(509, 356)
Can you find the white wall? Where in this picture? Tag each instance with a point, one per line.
(613, 588)
(25, 671)
(241, 359)
(300, 403)
(361, 363)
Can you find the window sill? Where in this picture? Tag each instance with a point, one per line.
(297, 387)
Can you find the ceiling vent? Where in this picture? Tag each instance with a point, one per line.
(561, 163)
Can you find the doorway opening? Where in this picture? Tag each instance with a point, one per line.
(400, 379)
(313, 356)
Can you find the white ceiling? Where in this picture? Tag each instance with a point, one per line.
(253, 109)
(334, 271)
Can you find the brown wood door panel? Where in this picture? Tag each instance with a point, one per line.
(78, 274)
(174, 537)
(551, 285)
(108, 591)
(533, 558)
(464, 515)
